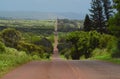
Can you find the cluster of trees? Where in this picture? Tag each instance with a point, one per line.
(114, 22)
(80, 43)
(66, 25)
(34, 26)
(104, 17)
(100, 12)
(101, 31)
(14, 39)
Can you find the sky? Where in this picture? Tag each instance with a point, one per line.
(76, 6)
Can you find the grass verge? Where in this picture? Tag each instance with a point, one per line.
(108, 59)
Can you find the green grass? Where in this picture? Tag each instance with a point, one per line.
(8, 62)
(12, 58)
(107, 59)
(63, 57)
(115, 60)
(28, 23)
(104, 55)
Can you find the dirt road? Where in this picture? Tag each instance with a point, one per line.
(59, 69)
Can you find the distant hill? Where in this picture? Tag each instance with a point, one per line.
(40, 15)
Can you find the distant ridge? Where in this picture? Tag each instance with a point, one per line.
(41, 15)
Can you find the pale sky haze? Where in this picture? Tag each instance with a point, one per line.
(76, 6)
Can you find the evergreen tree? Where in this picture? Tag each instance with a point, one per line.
(117, 5)
(87, 23)
(97, 15)
(107, 9)
(114, 23)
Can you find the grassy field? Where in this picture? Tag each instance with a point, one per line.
(28, 23)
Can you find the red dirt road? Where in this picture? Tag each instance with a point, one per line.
(58, 69)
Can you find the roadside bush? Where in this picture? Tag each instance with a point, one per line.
(12, 58)
(83, 43)
(30, 48)
(2, 47)
(113, 47)
(67, 53)
(105, 40)
(101, 53)
(10, 37)
(89, 44)
(46, 44)
(35, 57)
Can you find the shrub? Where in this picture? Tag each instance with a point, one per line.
(67, 53)
(2, 47)
(10, 37)
(35, 57)
(46, 44)
(30, 48)
(12, 58)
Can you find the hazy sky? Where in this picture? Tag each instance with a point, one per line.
(77, 6)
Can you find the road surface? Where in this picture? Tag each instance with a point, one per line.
(61, 69)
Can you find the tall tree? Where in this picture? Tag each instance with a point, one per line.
(97, 15)
(114, 23)
(87, 23)
(107, 9)
(73, 37)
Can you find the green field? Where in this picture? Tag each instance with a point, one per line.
(28, 23)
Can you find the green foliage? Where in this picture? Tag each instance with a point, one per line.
(114, 25)
(114, 48)
(100, 53)
(45, 43)
(35, 57)
(44, 27)
(87, 23)
(117, 5)
(101, 11)
(105, 40)
(97, 16)
(30, 48)
(10, 37)
(12, 58)
(2, 47)
(107, 4)
(66, 25)
(114, 22)
(90, 44)
(73, 37)
(30, 37)
(28, 23)
(13, 38)
(62, 41)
